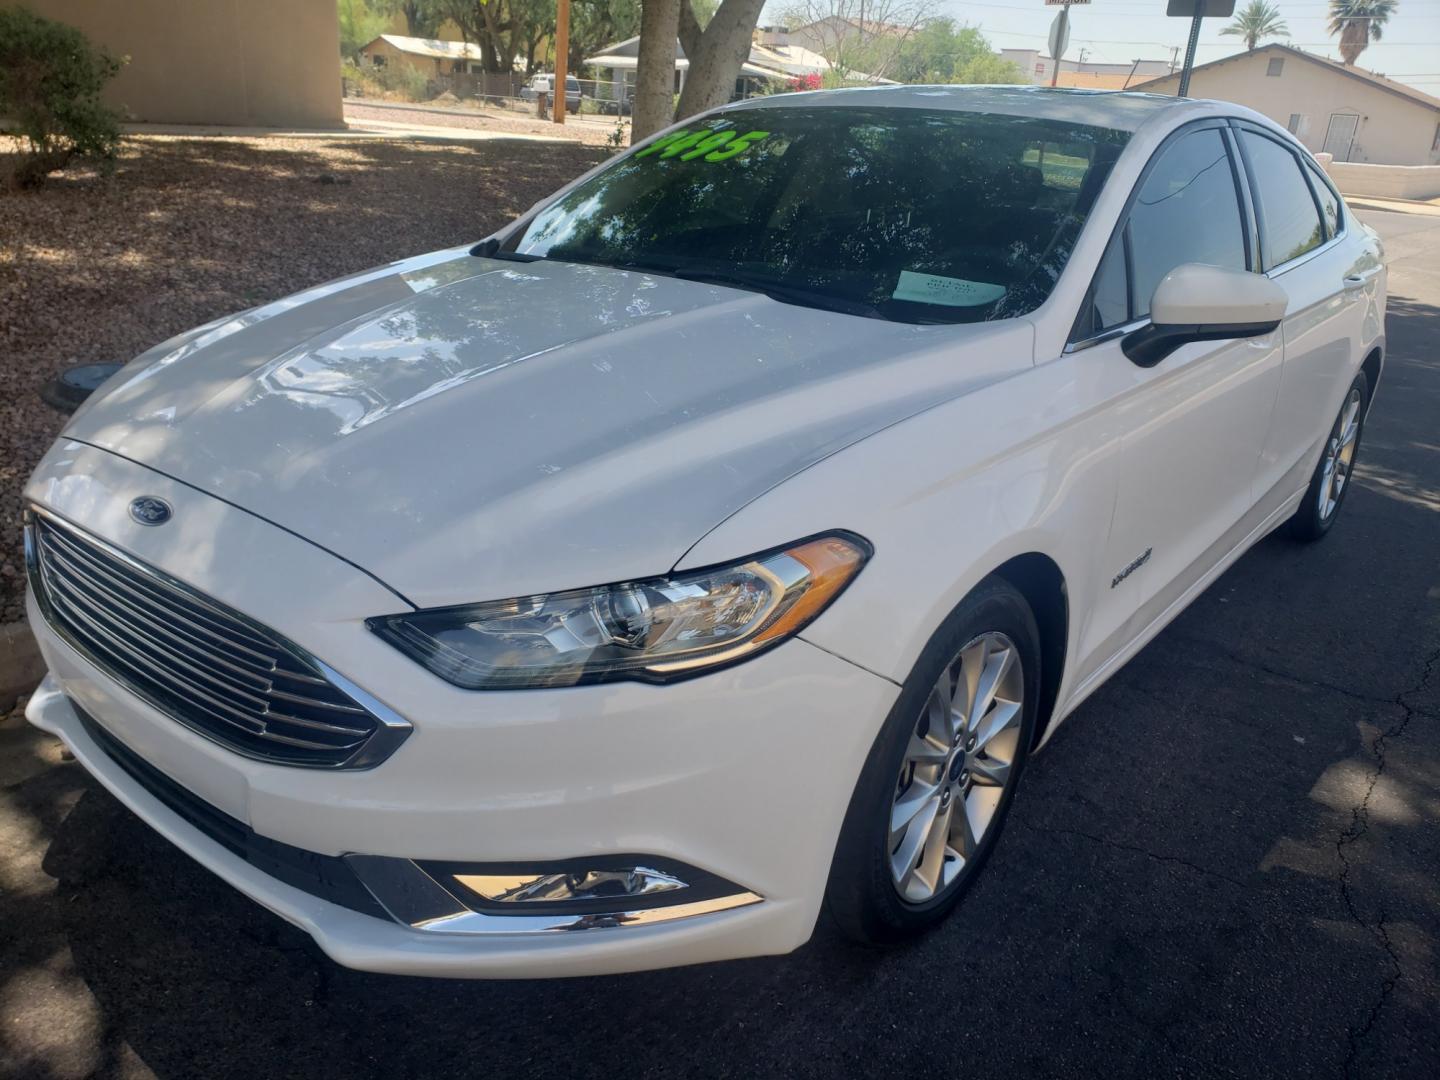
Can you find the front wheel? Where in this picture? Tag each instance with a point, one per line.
(1331, 479)
(940, 778)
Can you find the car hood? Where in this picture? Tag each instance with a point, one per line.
(468, 429)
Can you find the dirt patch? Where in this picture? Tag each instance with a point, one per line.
(186, 230)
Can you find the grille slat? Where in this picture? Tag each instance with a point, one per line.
(212, 706)
(76, 595)
(133, 588)
(208, 667)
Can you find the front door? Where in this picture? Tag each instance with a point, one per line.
(1191, 428)
(1340, 135)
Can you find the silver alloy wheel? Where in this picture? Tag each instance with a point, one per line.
(957, 766)
(1339, 454)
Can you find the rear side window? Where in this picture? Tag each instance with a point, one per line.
(1289, 221)
(1186, 211)
(1329, 201)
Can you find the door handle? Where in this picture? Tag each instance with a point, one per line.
(1354, 282)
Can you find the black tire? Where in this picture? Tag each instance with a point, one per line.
(861, 896)
(1309, 523)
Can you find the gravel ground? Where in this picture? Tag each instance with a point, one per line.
(189, 229)
(591, 131)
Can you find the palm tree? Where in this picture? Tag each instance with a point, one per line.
(1359, 22)
(1258, 20)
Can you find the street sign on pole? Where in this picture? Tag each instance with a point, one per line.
(1195, 10)
(1059, 41)
(1064, 3)
(1214, 9)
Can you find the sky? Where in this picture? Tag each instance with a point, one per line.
(1119, 31)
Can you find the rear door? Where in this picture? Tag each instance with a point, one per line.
(1191, 428)
(1307, 249)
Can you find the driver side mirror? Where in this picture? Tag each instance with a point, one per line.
(1195, 302)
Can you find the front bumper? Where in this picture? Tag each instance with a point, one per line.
(744, 774)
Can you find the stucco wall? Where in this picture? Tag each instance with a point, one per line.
(1392, 130)
(1386, 181)
(267, 63)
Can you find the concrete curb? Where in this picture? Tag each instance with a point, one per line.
(21, 667)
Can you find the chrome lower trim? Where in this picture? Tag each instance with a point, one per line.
(1106, 335)
(414, 898)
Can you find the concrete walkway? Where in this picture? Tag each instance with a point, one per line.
(369, 129)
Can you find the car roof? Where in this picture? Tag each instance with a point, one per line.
(1124, 110)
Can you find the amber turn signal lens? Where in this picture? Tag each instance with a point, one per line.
(832, 561)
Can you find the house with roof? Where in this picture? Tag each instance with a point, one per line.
(429, 56)
(833, 32)
(767, 67)
(1350, 113)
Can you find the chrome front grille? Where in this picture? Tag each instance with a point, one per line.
(199, 661)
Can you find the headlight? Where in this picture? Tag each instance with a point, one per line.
(654, 631)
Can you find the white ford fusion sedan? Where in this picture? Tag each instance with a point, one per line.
(711, 546)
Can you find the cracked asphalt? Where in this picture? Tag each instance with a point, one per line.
(1227, 863)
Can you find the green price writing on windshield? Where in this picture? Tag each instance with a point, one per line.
(705, 144)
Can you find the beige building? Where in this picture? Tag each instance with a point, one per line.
(1347, 112)
(1088, 75)
(263, 63)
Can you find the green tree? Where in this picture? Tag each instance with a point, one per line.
(361, 22)
(1359, 22)
(1258, 20)
(422, 17)
(943, 51)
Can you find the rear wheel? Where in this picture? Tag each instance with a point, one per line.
(940, 778)
(1331, 480)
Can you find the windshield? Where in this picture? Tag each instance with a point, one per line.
(895, 213)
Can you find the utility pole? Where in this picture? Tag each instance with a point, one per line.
(562, 58)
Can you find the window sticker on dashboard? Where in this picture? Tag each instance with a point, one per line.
(706, 144)
(949, 291)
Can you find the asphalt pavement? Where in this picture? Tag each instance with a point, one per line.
(1227, 863)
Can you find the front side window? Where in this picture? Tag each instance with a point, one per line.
(894, 213)
(1289, 222)
(1186, 211)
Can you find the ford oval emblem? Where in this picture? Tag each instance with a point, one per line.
(150, 510)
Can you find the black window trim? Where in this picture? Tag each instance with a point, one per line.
(1317, 177)
(1299, 154)
(1248, 222)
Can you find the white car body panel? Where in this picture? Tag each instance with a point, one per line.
(418, 435)
(520, 454)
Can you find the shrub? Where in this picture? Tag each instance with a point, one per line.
(407, 81)
(389, 80)
(50, 83)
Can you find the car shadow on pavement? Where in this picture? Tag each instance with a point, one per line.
(1225, 864)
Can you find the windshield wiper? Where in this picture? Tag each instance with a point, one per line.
(490, 249)
(775, 290)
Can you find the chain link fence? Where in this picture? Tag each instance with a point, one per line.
(517, 94)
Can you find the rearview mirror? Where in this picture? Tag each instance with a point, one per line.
(1195, 302)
